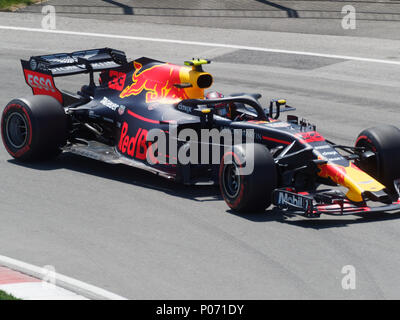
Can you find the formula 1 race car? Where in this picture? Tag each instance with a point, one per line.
(149, 114)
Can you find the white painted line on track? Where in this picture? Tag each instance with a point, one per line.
(199, 43)
(62, 281)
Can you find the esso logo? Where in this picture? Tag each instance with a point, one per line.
(40, 82)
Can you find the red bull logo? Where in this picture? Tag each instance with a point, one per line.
(134, 146)
(351, 177)
(335, 172)
(157, 81)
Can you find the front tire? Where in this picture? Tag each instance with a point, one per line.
(34, 128)
(248, 192)
(384, 142)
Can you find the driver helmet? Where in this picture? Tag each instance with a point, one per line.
(222, 109)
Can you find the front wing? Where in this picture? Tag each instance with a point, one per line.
(324, 202)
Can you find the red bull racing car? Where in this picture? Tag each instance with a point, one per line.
(292, 166)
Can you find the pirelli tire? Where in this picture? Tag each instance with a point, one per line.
(34, 128)
(250, 192)
(384, 142)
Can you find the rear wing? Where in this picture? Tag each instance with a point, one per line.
(64, 64)
(40, 71)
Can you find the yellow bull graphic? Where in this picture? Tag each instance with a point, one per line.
(351, 177)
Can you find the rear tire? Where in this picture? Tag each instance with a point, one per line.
(34, 128)
(384, 141)
(251, 192)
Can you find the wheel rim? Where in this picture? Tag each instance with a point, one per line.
(16, 130)
(231, 180)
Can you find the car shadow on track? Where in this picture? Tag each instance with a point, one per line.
(138, 177)
(323, 222)
(345, 222)
(124, 174)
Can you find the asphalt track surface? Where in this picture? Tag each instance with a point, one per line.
(143, 237)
